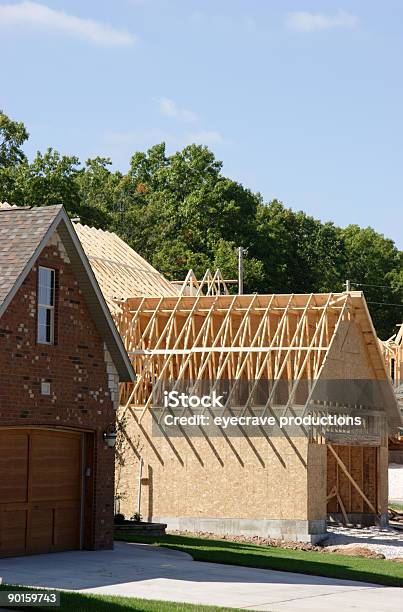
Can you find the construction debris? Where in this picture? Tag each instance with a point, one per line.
(365, 545)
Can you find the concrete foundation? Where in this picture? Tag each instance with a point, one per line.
(312, 531)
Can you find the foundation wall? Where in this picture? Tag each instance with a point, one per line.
(285, 529)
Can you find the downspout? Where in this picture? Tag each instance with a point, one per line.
(139, 485)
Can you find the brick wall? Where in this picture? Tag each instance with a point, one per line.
(79, 372)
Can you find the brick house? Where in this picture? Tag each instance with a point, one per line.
(61, 361)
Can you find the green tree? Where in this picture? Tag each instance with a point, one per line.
(53, 179)
(97, 192)
(13, 134)
(300, 254)
(374, 265)
(179, 212)
(190, 206)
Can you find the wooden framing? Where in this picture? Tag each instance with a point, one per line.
(392, 351)
(352, 480)
(369, 483)
(120, 271)
(210, 284)
(254, 337)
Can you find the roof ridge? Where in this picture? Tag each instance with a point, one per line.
(14, 207)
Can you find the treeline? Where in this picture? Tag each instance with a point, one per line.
(180, 212)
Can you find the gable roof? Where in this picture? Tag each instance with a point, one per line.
(24, 232)
(21, 231)
(257, 337)
(120, 271)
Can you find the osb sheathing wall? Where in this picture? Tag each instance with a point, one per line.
(316, 482)
(239, 478)
(250, 478)
(348, 357)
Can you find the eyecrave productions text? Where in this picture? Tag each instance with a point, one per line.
(283, 421)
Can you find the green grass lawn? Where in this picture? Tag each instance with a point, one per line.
(332, 565)
(398, 507)
(78, 602)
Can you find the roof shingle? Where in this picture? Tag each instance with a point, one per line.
(21, 232)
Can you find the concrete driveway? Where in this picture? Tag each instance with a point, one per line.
(138, 570)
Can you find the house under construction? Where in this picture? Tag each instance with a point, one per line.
(393, 356)
(283, 355)
(392, 350)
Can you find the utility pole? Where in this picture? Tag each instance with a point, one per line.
(348, 285)
(241, 253)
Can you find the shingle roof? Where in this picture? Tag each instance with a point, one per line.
(21, 232)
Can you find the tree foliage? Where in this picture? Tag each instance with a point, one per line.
(13, 134)
(179, 211)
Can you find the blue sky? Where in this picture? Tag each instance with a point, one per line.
(302, 100)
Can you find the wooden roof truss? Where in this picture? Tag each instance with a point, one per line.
(210, 284)
(392, 350)
(250, 337)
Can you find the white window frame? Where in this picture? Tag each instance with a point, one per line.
(47, 307)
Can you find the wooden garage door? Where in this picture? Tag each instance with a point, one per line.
(40, 491)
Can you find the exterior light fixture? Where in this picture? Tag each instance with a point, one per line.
(109, 436)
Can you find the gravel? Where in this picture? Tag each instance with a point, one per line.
(360, 541)
(388, 542)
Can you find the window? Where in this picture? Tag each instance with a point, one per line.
(46, 305)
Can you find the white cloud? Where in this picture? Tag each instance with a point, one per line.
(35, 15)
(313, 22)
(170, 109)
(206, 137)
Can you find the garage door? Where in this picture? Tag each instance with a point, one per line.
(40, 491)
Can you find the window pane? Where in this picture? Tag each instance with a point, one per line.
(45, 325)
(52, 287)
(41, 316)
(46, 302)
(41, 324)
(49, 317)
(42, 334)
(46, 286)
